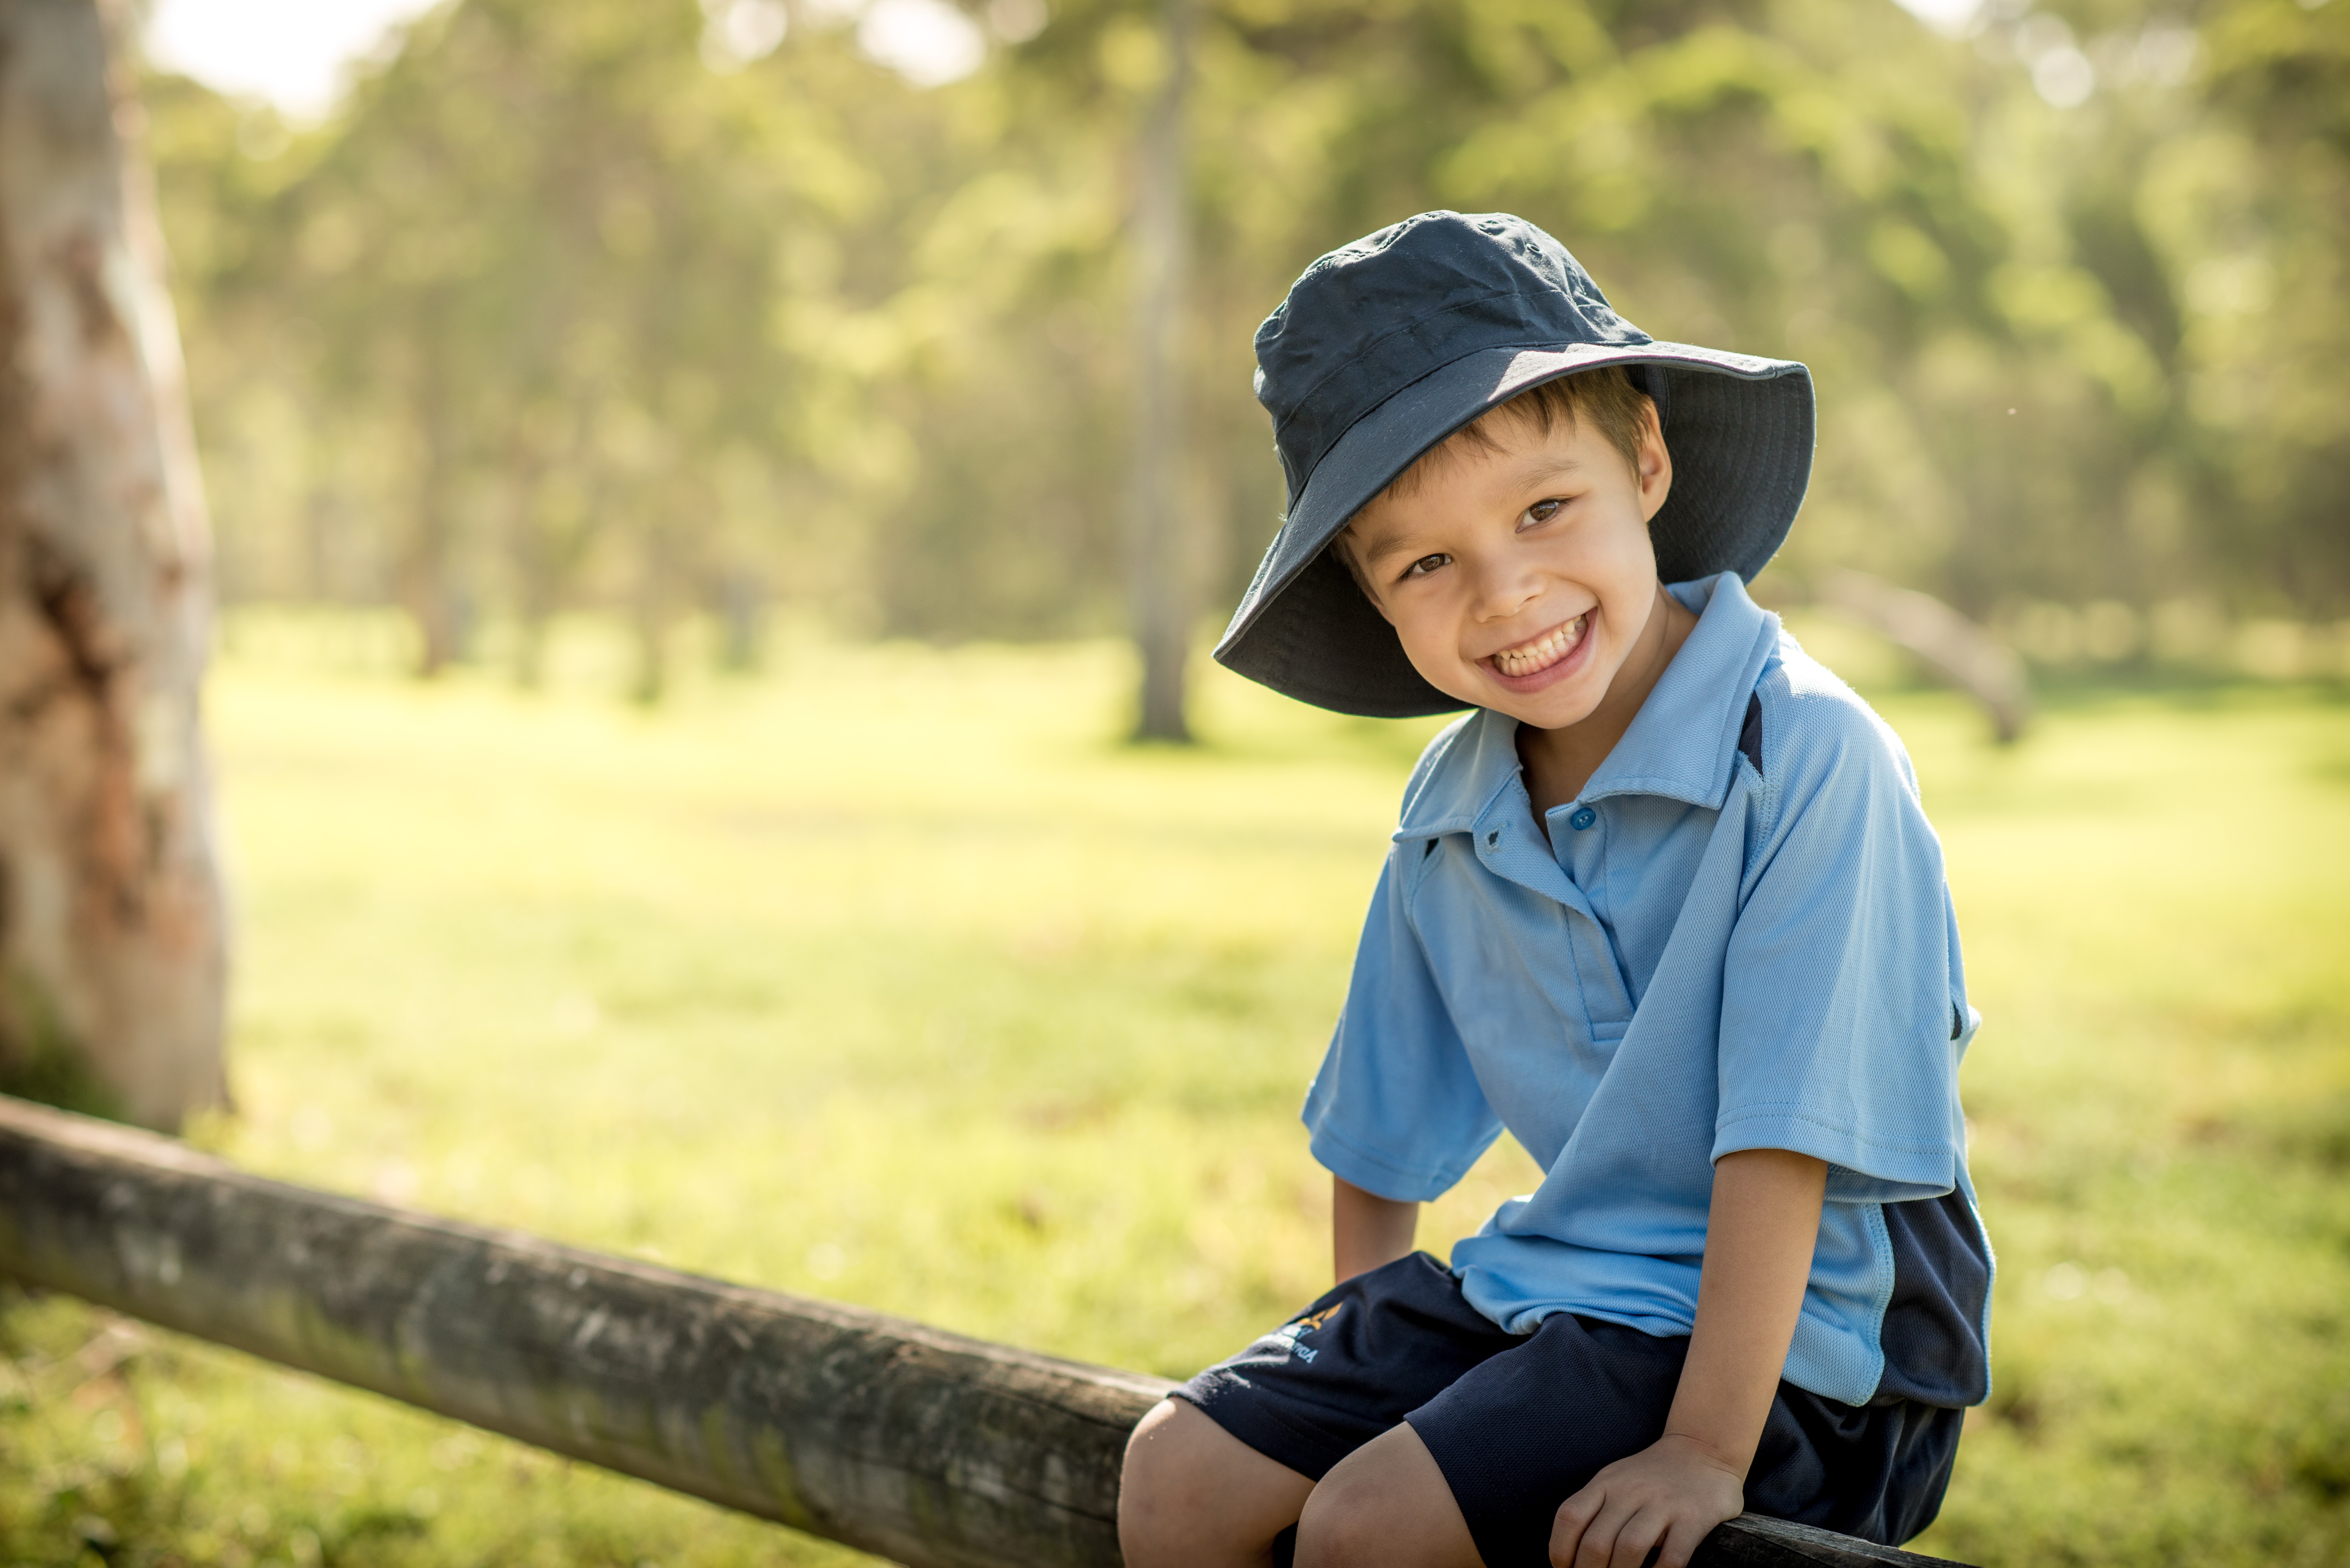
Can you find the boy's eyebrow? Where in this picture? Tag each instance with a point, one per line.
(1372, 546)
(1548, 466)
(1381, 545)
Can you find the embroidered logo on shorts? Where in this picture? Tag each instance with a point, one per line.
(1288, 1334)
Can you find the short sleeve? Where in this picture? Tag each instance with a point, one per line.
(1841, 981)
(1395, 1109)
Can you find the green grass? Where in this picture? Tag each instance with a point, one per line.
(888, 977)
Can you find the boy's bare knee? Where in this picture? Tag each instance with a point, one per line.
(1192, 1494)
(1155, 1486)
(1343, 1524)
(1351, 1520)
(1387, 1502)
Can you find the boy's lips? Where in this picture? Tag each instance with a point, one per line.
(1537, 656)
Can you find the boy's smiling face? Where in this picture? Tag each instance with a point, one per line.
(1518, 571)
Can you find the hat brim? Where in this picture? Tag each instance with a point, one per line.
(1740, 431)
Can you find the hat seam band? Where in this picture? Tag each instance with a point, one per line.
(1366, 349)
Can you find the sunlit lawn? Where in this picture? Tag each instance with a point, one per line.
(889, 976)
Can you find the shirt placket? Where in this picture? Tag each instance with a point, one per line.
(1579, 841)
(1509, 847)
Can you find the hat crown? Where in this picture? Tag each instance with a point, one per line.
(1370, 318)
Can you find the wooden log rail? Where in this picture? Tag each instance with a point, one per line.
(928, 1448)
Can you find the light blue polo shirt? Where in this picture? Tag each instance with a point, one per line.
(1738, 936)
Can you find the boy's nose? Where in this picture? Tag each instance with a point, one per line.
(1503, 588)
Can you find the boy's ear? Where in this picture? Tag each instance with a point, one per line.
(1653, 473)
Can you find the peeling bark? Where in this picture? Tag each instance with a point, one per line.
(111, 929)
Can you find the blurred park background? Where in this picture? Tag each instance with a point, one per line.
(673, 311)
(729, 407)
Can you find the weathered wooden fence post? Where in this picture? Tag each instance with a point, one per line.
(934, 1449)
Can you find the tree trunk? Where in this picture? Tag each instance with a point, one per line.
(1158, 565)
(427, 586)
(648, 595)
(111, 935)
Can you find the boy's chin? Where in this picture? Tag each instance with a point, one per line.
(1554, 708)
(1536, 714)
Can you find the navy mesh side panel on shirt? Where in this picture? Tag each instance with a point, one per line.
(1932, 1335)
(1750, 733)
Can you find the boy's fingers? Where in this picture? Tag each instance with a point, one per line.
(1584, 1506)
(1681, 1543)
(1575, 1515)
(1636, 1540)
(1599, 1548)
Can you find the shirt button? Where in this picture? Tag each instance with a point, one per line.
(1583, 819)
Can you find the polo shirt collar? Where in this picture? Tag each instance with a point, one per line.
(1679, 744)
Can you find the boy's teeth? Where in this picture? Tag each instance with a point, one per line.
(1543, 652)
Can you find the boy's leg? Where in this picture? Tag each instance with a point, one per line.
(1194, 1496)
(1217, 1472)
(1386, 1505)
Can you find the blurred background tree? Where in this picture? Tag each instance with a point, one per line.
(668, 310)
(113, 929)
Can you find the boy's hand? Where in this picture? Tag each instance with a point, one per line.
(1669, 1494)
(1759, 1238)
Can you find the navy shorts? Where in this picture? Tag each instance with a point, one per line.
(1519, 1422)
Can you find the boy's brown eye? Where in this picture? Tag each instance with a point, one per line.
(1543, 511)
(1425, 565)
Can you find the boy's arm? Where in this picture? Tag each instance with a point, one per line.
(1365, 1229)
(1760, 1235)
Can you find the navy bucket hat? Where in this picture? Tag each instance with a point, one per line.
(1390, 345)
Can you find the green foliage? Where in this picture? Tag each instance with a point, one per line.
(554, 314)
(886, 978)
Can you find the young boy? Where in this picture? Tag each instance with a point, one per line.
(1663, 905)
